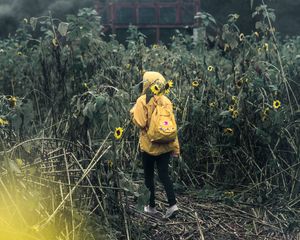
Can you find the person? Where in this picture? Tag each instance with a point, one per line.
(159, 153)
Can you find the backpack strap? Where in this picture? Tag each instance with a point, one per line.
(155, 103)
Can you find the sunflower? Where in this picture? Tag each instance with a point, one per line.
(239, 83)
(242, 37)
(212, 104)
(85, 85)
(13, 101)
(210, 68)
(266, 47)
(110, 163)
(276, 104)
(155, 89)
(231, 108)
(3, 122)
(55, 42)
(118, 133)
(235, 114)
(228, 194)
(228, 131)
(195, 83)
(154, 46)
(168, 85)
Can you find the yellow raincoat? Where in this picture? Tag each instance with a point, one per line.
(141, 114)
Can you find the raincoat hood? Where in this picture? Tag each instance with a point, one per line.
(150, 78)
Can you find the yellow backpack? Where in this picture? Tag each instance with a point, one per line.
(162, 127)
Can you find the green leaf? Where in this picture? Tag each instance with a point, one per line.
(88, 110)
(258, 25)
(63, 28)
(33, 22)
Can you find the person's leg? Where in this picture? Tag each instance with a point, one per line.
(162, 162)
(148, 164)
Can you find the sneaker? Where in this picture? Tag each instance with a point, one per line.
(150, 210)
(171, 211)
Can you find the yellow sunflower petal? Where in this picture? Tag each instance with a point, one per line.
(118, 133)
(210, 68)
(242, 37)
(155, 89)
(276, 104)
(195, 83)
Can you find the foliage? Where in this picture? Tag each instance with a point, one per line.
(236, 102)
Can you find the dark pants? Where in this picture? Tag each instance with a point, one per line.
(162, 163)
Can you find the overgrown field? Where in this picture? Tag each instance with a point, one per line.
(67, 174)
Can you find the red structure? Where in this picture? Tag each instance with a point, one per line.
(157, 19)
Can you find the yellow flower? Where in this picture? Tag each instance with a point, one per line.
(229, 194)
(231, 108)
(256, 34)
(13, 101)
(110, 163)
(55, 42)
(212, 104)
(235, 114)
(3, 122)
(242, 37)
(195, 83)
(85, 85)
(154, 46)
(239, 83)
(210, 68)
(234, 99)
(168, 85)
(128, 66)
(118, 133)
(228, 131)
(266, 47)
(155, 89)
(19, 53)
(276, 104)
